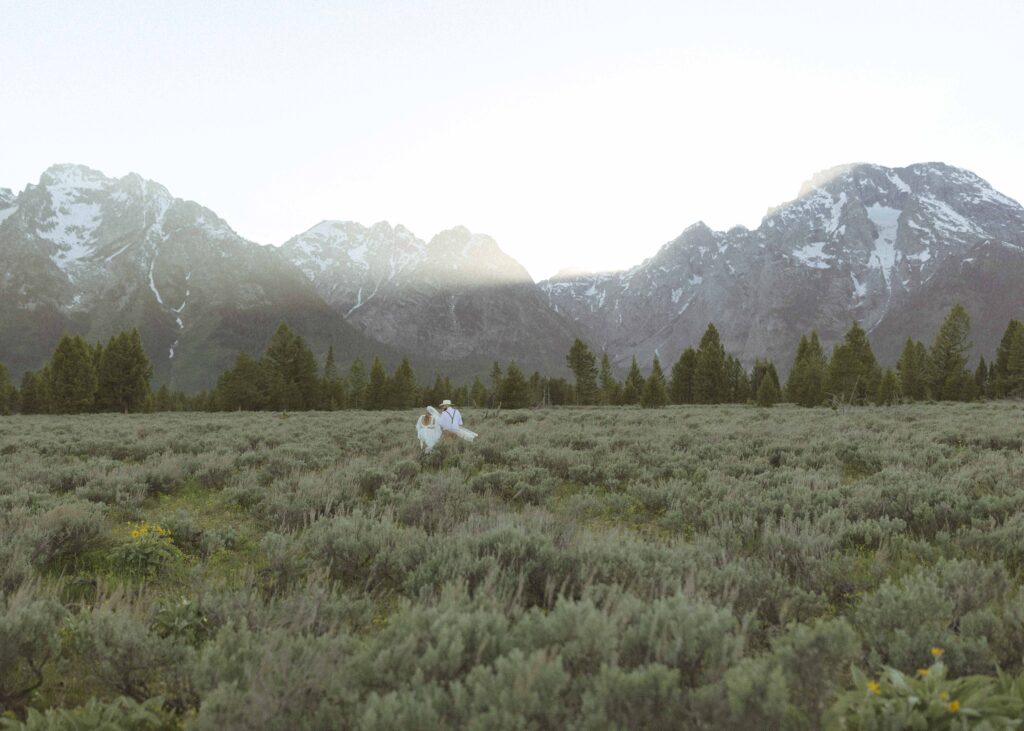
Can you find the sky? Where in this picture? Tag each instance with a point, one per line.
(580, 135)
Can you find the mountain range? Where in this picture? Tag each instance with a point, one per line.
(893, 248)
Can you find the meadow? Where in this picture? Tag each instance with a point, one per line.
(706, 567)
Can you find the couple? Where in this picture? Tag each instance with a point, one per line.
(443, 422)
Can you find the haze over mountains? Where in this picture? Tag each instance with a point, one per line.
(891, 247)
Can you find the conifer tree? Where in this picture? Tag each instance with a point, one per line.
(72, 377)
(680, 388)
(768, 391)
(34, 395)
(765, 369)
(1008, 378)
(611, 390)
(246, 386)
(377, 387)
(655, 393)
(737, 382)
(948, 374)
(477, 393)
(124, 373)
(911, 370)
(163, 400)
(496, 379)
(403, 391)
(536, 384)
(633, 386)
(6, 391)
(710, 380)
(515, 391)
(332, 386)
(293, 370)
(583, 365)
(888, 389)
(806, 383)
(981, 379)
(357, 381)
(853, 373)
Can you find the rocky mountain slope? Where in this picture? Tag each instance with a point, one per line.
(458, 297)
(890, 247)
(84, 253)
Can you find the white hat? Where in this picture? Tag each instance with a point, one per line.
(446, 402)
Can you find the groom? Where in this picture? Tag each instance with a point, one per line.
(451, 418)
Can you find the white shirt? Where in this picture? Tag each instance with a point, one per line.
(451, 419)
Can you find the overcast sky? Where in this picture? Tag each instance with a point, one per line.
(579, 134)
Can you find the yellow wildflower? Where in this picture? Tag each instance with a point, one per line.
(923, 672)
(937, 652)
(135, 534)
(874, 687)
(943, 696)
(954, 706)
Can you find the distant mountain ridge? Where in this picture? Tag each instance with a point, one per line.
(457, 297)
(891, 247)
(89, 254)
(860, 242)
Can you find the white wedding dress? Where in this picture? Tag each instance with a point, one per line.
(429, 431)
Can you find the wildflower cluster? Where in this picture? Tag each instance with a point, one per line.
(928, 699)
(150, 549)
(145, 531)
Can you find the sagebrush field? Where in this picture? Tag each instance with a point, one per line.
(719, 567)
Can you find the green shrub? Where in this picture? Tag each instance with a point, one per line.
(97, 715)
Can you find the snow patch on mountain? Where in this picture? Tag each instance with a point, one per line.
(887, 221)
(813, 255)
(6, 213)
(72, 226)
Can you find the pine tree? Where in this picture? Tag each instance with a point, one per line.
(981, 379)
(806, 383)
(768, 391)
(164, 401)
(1008, 377)
(246, 386)
(34, 394)
(710, 384)
(737, 382)
(536, 384)
(655, 393)
(1015, 367)
(403, 391)
(294, 371)
(477, 393)
(611, 390)
(911, 370)
(765, 370)
(515, 391)
(680, 388)
(633, 386)
(6, 391)
(332, 386)
(73, 377)
(948, 375)
(377, 388)
(357, 384)
(853, 374)
(583, 365)
(496, 379)
(888, 389)
(123, 375)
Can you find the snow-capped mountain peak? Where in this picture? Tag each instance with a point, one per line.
(859, 240)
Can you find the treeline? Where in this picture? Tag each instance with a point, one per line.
(81, 378)
(851, 375)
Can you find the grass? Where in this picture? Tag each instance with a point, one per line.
(321, 549)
